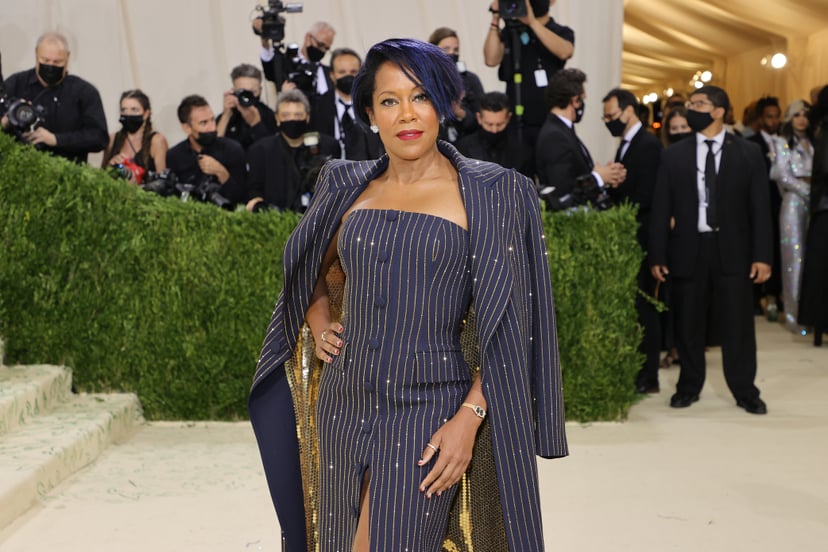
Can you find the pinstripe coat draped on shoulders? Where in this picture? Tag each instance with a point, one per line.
(516, 330)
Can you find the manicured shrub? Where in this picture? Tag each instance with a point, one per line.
(171, 300)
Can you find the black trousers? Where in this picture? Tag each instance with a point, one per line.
(271, 409)
(650, 321)
(731, 298)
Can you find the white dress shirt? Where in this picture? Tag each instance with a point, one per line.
(701, 161)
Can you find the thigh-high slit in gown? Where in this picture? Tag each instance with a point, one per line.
(399, 376)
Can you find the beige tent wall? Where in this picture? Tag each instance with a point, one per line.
(815, 66)
(807, 67)
(171, 48)
(746, 80)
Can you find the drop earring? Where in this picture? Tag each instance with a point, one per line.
(374, 129)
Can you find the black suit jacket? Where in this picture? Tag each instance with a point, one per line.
(510, 153)
(560, 157)
(745, 233)
(274, 170)
(360, 144)
(641, 161)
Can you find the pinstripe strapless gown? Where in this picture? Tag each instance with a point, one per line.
(399, 377)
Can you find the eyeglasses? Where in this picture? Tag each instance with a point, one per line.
(611, 116)
(699, 103)
(319, 44)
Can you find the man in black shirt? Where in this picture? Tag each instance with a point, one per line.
(544, 48)
(203, 159)
(493, 141)
(282, 169)
(74, 123)
(245, 118)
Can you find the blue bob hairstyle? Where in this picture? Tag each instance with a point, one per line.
(425, 64)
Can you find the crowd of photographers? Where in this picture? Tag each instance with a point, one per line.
(249, 154)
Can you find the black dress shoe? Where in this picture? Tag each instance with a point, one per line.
(754, 406)
(683, 400)
(647, 388)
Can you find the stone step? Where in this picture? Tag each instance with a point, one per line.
(39, 455)
(29, 391)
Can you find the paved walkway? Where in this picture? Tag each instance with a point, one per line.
(710, 478)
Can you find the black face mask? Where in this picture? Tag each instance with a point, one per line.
(131, 123)
(579, 112)
(698, 120)
(50, 74)
(345, 84)
(616, 127)
(293, 129)
(493, 139)
(455, 58)
(540, 7)
(206, 139)
(315, 54)
(673, 138)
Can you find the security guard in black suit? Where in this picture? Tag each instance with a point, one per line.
(715, 188)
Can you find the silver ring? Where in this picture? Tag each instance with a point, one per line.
(323, 335)
(432, 447)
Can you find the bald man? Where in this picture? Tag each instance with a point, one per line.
(73, 121)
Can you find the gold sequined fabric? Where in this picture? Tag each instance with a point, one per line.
(475, 521)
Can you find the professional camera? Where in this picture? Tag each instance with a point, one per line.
(163, 183)
(301, 72)
(22, 115)
(273, 24)
(246, 97)
(512, 9)
(586, 193)
(129, 169)
(208, 189)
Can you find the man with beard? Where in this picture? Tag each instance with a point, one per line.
(74, 124)
(212, 166)
(282, 168)
(493, 141)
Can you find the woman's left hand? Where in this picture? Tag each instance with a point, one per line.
(455, 443)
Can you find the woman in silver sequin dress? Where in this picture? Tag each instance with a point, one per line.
(792, 172)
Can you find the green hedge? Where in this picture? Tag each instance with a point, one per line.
(171, 300)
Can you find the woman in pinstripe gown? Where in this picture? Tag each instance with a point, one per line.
(398, 413)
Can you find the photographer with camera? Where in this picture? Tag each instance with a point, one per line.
(55, 111)
(282, 169)
(566, 173)
(213, 168)
(529, 49)
(302, 68)
(136, 149)
(245, 118)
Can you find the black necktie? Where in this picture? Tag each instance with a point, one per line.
(620, 149)
(710, 185)
(584, 150)
(347, 120)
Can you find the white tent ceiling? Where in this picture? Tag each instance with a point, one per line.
(667, 41)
